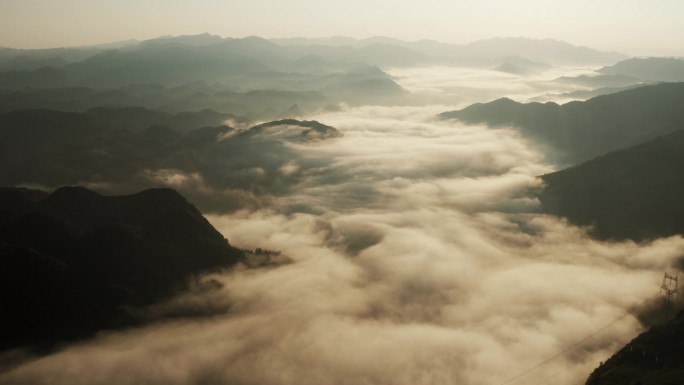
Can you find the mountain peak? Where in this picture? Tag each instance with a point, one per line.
(72, 194)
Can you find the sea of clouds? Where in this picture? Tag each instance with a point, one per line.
(420, 256)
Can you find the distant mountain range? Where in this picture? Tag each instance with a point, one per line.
(371, 51)
(579, 131)
(630, 73)
(172, 61)
(259, 97)
(71, 261)
(136, 148)
(252, 77)
(649, 69)
(542, 50)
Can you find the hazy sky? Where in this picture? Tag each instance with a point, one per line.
(633, 26)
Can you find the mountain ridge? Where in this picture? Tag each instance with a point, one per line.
(580, 131)
(73, 259)
(634, 193)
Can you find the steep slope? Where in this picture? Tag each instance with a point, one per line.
(72, 260)
(580, 131)
(637, 193)
(656, 357)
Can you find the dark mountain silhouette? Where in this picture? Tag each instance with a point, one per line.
(579, 131)
(134, 148)
(295, 130)
(73, 260)
(653, 358)
(650, 69)
(636, 193)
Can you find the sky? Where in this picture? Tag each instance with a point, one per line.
(638, 27)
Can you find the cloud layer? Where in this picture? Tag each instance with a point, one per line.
(418, 259)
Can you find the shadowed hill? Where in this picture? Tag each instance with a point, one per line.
(131, 149)
(73, 259)
(655, 357)
(580, 131)
(636, 193)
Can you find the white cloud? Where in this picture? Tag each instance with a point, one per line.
(417, 261)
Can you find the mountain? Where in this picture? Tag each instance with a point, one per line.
(543, 50)
(166, 64)
(294, 130)
(635, 193)
(631, 72)
(579, 131)
(134, 148)
(174, 60)
(655, 358)
(258, 96)
(480, 52)
(600, 80)
(584, 94)
(40, 78)
(650, 69)
(196, 40)
(368, 91)
(73, 260)
(31, 59)
(187, 97)
(517, 68)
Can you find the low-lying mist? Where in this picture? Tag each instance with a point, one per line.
(419, 258)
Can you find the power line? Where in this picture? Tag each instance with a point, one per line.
(564, 350)
(548, 378)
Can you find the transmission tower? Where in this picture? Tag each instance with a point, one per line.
(670, 288)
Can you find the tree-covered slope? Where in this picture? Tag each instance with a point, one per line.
(636, 193)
